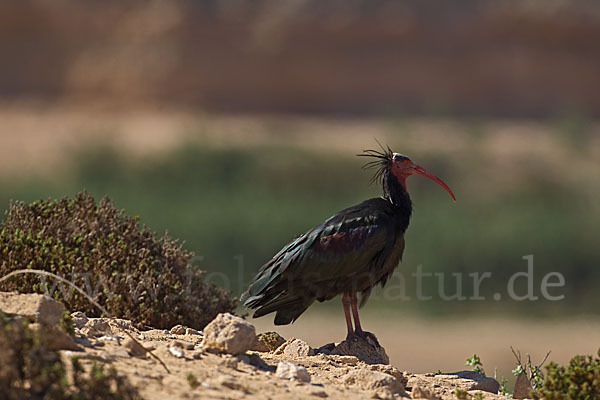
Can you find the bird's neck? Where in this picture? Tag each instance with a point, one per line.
(395, 192)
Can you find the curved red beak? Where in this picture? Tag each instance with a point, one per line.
(423, 172)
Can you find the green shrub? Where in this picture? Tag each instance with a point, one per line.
(28, 370)
(580, 380)
(123, 266)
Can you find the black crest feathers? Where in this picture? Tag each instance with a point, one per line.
(382, 161)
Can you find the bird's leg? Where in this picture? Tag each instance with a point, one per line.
(346, 304)
(353, 304)
(358, 329)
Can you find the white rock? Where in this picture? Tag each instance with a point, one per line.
(176, 351)
(295, 348)
(229, 334)
(287, 370)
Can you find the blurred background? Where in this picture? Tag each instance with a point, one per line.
(234, 125)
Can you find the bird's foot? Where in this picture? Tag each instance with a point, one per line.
(364, 336)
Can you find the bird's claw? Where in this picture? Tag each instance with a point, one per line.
(366, 337)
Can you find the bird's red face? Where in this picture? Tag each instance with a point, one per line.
(403, 167)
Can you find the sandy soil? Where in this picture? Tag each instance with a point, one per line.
(418, 350)
(426, 345)
(198, 374)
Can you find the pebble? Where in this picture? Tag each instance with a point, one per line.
(287, 370)
(178, 330)
(177, 352)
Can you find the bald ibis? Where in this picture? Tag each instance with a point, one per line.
(350, 253)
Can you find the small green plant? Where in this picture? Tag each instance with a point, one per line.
(478, 396)
(192, 380)
(578, 380)
(503, 388)
(122, 265)
(475, 362)
(537, 378)
(66, 323)
(518, 371)
(271, 339)
(533, 373)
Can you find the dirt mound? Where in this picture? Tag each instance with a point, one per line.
(220, 363)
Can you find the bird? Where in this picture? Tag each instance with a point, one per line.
(348, 254)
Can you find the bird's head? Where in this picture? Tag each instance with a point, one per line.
(400, 166)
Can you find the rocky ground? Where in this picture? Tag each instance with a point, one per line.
(228, 360)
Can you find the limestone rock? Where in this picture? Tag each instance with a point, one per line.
(365, 352)
(229, 334)
(295, 348)
(54, 338)
(178, 330)
(35, 307)
(287, 370)
(372, 380)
